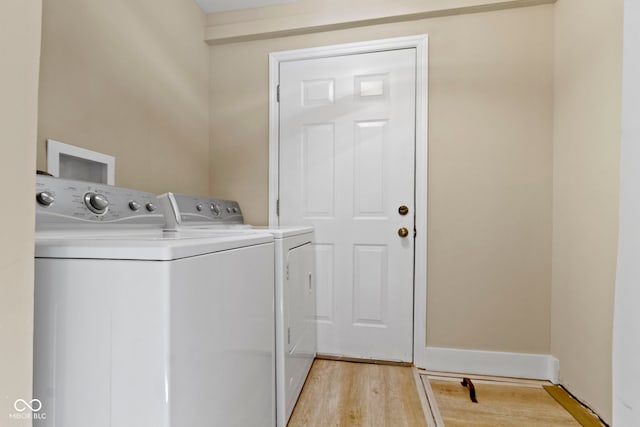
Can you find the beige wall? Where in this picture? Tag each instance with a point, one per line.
(20, 47)
(490, 133)
(129, 79)
(588, 72)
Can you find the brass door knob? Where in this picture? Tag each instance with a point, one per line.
(403, 210)
(403, 232)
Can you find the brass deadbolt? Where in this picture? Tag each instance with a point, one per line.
(403, 210)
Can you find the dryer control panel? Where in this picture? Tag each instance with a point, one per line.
(78, 203)
(180, 209)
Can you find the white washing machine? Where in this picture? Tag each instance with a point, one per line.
(294, 291)
(136, 327)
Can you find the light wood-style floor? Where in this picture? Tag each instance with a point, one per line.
(358, 394)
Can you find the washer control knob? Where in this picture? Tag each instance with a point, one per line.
(97, 203)
(235, 210)
(199, 207)
(215, 209)
(45, 198)
(150, 207)
(229, 209)
(134, 206)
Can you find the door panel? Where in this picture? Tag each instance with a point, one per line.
(347, 148)
(368, 168)
(318, 170)
(370, 285)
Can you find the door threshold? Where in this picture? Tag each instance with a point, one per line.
(362, 360)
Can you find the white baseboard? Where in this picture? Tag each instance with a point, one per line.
(502, 364)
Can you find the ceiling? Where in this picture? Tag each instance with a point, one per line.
(211, 6)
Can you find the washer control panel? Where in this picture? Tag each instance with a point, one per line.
(64, 201)
(180, 209)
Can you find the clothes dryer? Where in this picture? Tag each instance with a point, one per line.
(139, 327)
(295, 293)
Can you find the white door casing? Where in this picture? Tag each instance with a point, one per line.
(353, 129)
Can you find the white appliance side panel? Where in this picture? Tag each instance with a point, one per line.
(223, 339)
(296, 328)
(101, 340)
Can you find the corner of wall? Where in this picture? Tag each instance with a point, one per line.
(586, 139)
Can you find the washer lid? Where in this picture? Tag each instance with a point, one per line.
(161, 246)
(280, 232)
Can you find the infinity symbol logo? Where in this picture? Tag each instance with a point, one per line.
(22, 405)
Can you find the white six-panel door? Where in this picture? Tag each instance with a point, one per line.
(347, 165)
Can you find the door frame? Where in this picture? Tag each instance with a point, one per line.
(420, 43)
